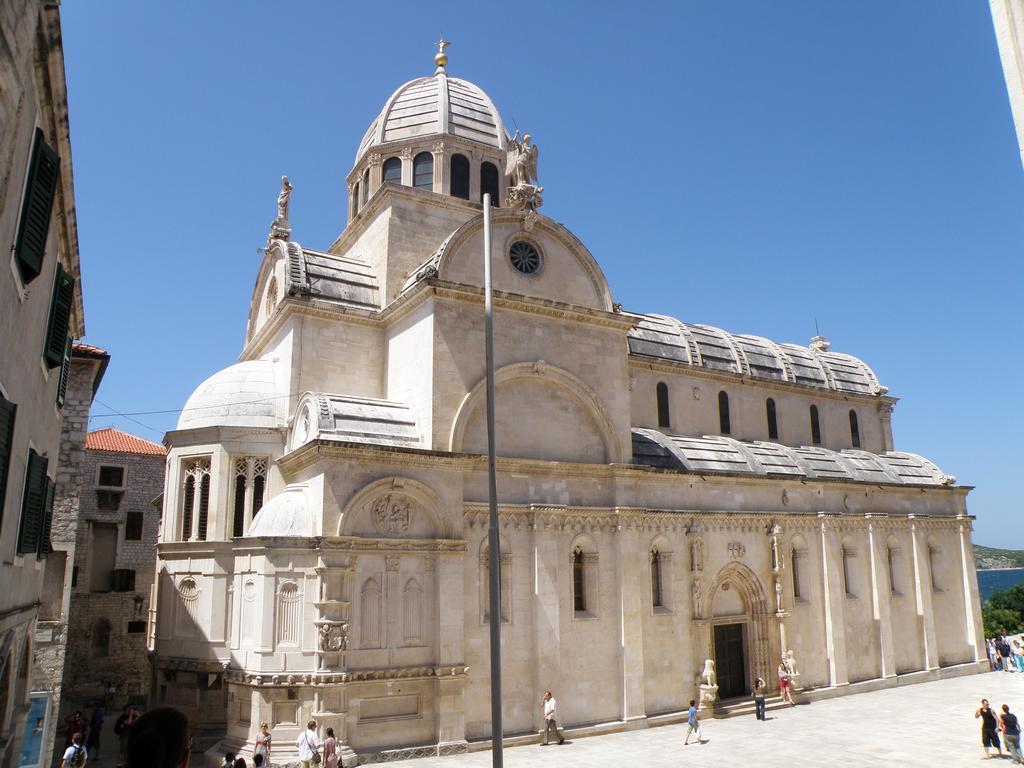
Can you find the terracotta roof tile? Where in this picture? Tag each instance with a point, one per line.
(111, 439)
(88, 349)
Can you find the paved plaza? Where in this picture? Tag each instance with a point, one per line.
(930, 724)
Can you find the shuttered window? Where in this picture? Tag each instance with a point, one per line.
(44, 531)
(60, 318)
(8, 410)
(30, 245)
(33, 507)
(65, 373)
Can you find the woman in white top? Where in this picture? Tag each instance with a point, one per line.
(308, 744)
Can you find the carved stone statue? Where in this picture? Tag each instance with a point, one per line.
(333, 637)
(708, 685)
(281, 228)
(791, 665)
(521, 166)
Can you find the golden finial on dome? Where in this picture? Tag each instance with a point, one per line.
(441, 59)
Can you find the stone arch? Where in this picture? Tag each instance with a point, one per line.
(360, 508)
(757, 616)
(548, 374)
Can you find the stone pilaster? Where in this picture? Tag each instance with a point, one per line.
(451, 710)
(881, 598)
(833, 596)
(923, 596)
(547, 617)
(972, 600)
(634, 575)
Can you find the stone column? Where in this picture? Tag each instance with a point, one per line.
(451, 711)
(885, 412)
(352, 209)
(634, 568)
(832, 591)
(406, 156)
(475, 159)
(376, 161)
(546, 617)
(881, 597)
(923, 596)
(968, 572)
(439, 167)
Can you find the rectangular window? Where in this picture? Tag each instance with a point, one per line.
(934, 564)
(136, 627)
(60, 318)
(108, 501)
(133, 526)
(36, 209)
(111, 477)
(849, 581)
(33, 506)
(102, 556)
(123, 580)
(8, 411)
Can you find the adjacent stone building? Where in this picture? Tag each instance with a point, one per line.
(669, 492)
(114, 564)
(40, 312)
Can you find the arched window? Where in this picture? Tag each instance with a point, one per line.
(773, 424)
(579, 595)
(656, 596)
(815, 426)
(195, 498)
(663, 414)
(369, 614)
(366, 185)
(99, 643)
(460, 177)
(289, 610)
(489, 182)
(355, 199)
(796, 566)
(725, 427)
(392, 170)
(854, 429)
(423, 171)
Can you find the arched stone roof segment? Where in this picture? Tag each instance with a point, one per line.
(438, 104)
(241, 395)
(705, 346)
(714, 454)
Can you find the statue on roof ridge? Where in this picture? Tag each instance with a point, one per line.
(521, 166)
(281, 228)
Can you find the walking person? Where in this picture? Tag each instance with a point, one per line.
(759, 689)
(95, 730)
(308, 745)
(550, 722)
(784, 683)
(693, 724)
(989, 728)
(75, 755)
(1011, 734)
(330, 750)
(74, 724)
(263, 743)
(122, 727)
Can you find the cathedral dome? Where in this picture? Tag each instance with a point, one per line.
(287, 514)
(241, 395)
(436, 105)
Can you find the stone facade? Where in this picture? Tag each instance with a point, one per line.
(668, 492)
(110, 610)
(39, 303)
(87, 368)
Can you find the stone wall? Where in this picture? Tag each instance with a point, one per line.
(94, 667)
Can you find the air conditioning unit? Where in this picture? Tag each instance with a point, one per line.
(123, 580)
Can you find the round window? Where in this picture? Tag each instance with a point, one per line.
(524, 257)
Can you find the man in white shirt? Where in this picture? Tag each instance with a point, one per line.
(308, 744)
(549, 719)
(75, 756)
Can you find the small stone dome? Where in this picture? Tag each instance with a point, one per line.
(436, 105)
(287, 514)
(242, 395)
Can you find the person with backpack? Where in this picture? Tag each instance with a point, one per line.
(1011, 734)
(75, 755)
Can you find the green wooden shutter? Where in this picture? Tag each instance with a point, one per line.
(8, 410)
(43, 174)
(47, 520)
(60, 318)
(65, 373)
(34, 503)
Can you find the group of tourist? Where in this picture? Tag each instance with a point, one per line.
(158, 739)
(82, 739)
(994, 725)
(1006, 654)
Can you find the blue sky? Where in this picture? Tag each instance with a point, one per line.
(752, 165)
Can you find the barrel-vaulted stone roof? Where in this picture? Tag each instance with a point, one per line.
(704, 346)
(328, 276)
(357, 420)
(715, 454)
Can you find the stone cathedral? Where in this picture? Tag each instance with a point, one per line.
(669, 492)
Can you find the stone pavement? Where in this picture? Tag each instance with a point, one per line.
(928, 724)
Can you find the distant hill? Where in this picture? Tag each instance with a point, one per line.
(989, 557)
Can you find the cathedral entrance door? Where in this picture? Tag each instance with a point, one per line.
(730, 663)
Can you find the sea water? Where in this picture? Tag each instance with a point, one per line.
(991, 580)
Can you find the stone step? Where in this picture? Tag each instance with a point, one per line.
(744, 707)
